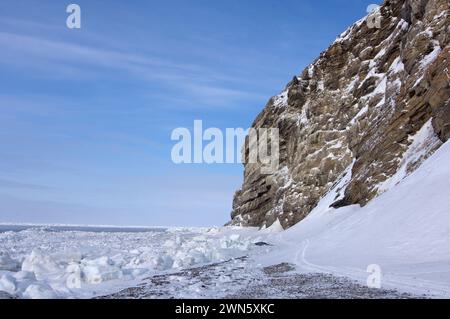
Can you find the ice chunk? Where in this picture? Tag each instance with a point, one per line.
(100, 270)
(274, 228)
(8, 284)
(39, 291)
(23, 280)
(163, 262)
(137, 272)
(7, 263)
(42, 265)
(68, 256)
(234, 241)
(25, 275)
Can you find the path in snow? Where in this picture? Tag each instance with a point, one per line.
(238, 278)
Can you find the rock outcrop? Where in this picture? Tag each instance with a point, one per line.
(378, 95)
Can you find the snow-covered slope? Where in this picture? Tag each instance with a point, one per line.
(405, 231)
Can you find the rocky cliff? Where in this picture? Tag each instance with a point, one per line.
(371, 108)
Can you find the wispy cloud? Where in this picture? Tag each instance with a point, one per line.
(71, 61)
(8, 184)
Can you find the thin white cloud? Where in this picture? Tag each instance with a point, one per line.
(51, 56)
(8, 184)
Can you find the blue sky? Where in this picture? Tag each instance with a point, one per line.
(86, 115)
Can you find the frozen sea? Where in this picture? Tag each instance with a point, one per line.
(82, 228)
(57, 261)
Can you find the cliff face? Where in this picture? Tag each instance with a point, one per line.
(370, 109)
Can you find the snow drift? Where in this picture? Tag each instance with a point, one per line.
(406, 231)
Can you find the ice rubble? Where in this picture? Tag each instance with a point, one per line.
(7, 263)
(43, 264)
